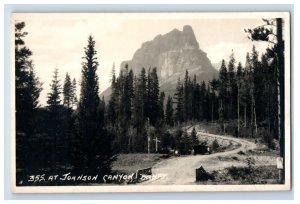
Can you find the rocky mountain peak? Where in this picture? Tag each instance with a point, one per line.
(172, 54)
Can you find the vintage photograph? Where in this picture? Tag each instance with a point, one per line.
(150, 102)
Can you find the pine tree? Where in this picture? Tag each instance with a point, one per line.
(161, 108)
(239, 78)
(179, 117)
(223, 85)
(153, 96)
(214, 88)
(194, 137)
(203, 102)
(194, 99)
(185, 143)
(139, 117)
(207, 103)
(232, 86)
(68, 122)
(169, 112)
(254, 65)
(245, 89)
(54, 100)
(267, 33)
(54, 104)
(28, 88)
(93, 141)
(112, 104)
(74, 99)
(125, 108)
(143, 91)
(198, 102)
(68, 92)
(186, 93)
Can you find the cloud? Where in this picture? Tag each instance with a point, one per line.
(223, 50)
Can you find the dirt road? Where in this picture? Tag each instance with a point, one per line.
(181, 170)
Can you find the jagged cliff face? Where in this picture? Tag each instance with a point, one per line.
(172, 54)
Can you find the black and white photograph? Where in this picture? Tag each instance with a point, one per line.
(150, 102)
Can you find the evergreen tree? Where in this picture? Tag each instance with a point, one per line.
(253, 66)
(214, 88)
(198, 102)
(28, 88)
(239, 78)
(267, 33)
(161, 108)
(54, 125)
(207, 103)
(153, 97)
(245, 89)
(67, 91)
(74, 99)
(139, 113)
(179, 117)
(125, 108)
(185, 143)
(186, 92)
(194, 99)
(143, 91)
(54, 100)
(223, 85)
(203, 102)
(169, 112)
(93, 143)
(194, 137)
(232, 87)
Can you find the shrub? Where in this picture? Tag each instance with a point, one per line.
(250, 163)
(215, 145)
(267, 138)
(232, 128)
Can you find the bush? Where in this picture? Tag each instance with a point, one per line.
(250, 163)
(267, 138)
(215, 145)
(232, 128)
(168, 140)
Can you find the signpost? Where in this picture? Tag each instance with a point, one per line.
(156, 141)
(279, 161)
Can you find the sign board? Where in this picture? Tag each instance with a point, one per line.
(279, 162)
(143, 174)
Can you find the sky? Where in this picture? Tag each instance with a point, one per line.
(58, 40)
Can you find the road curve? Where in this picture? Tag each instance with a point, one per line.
(181, 170)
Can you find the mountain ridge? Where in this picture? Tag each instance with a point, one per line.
(172, 54)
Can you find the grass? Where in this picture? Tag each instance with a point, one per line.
(244, 175)
(130, 163)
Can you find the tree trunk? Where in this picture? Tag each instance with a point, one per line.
(280, 58)
(238, 113)
(212, 110)
(245, 112)
(252, 118)
(254, 114)
(268, 111)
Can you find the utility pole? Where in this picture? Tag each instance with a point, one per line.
(148, 135)
(156, 143)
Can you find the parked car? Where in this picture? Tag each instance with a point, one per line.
(202, 149)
